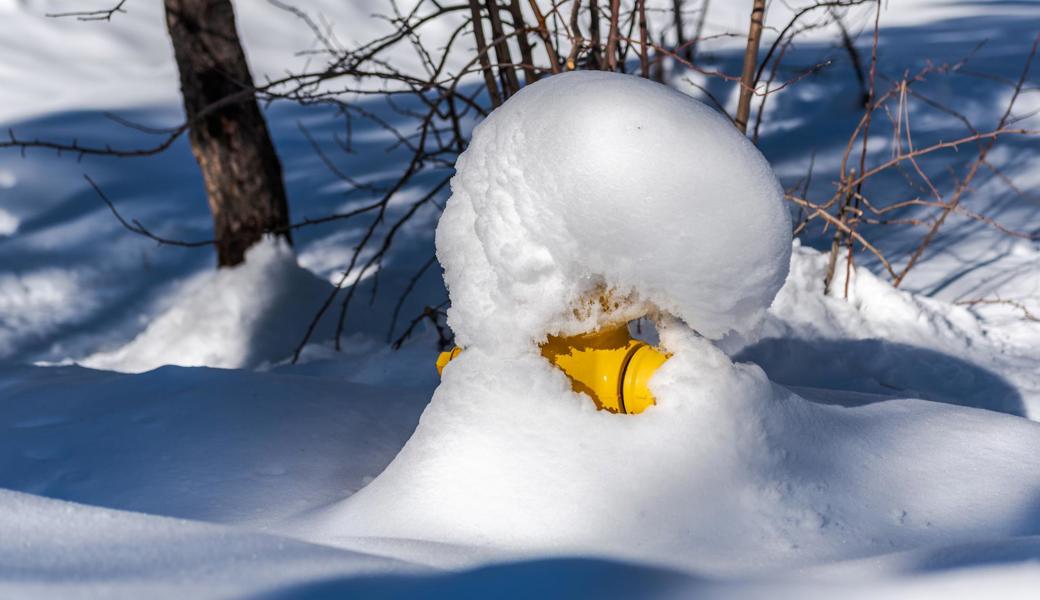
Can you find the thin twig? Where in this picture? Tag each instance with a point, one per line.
(104, 14)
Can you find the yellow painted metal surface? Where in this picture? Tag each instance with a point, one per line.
(445, 357)
(608, 365)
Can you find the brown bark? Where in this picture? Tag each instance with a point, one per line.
(229, 137)
(520, 27)
(506, 72)
(577, 40)
(543, 32)
(644, 58)
(612, 36)
(747, 78)
(595, 61)
(482, 54)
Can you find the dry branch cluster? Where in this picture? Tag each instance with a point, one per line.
(930, 200)
(469, 56)
(492, 49)
(496, 47)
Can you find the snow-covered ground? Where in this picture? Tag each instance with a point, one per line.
(156, 442)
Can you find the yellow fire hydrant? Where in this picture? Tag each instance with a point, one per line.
(608, 365)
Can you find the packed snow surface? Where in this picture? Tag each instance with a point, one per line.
(875, 446)
(591, 181)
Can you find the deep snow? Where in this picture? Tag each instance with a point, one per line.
(728, 474)
(882, 446)
(252, 314)
(598, 184)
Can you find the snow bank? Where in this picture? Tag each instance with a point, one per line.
(891, 341)
(241, 317)
(590, 180)
(62, 550)
(594, 181)
(727, 474)
(55, 549)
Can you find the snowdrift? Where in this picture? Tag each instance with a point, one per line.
(252, 314)
(729, 473)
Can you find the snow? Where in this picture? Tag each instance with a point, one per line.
(69, 550)
(88, 60)
(590, 183)
(90, 70)
(231, 318)
(8, 222)
(212, 444)
(873, 341)
(880, 446)
(726, 467)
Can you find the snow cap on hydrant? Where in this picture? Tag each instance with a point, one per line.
(588, 185)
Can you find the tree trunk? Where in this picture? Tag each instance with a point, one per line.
(229, 136)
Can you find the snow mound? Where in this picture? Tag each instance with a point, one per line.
(590, 181)
(886, 340)
(55, 549)
(232, 318)
(728, 473)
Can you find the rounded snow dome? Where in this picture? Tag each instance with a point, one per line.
(591, 181)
